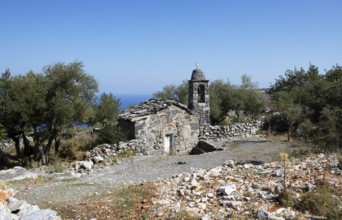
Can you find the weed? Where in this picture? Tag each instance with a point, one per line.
(297, 153)
(143, 215)
(3, 186)
(247, 193)
(111, 159)
(126, 153)
(82, 184)
(287, 198)
(55, 165)
(68, 180)
(322, 202)
(68, 151)
(184, 215)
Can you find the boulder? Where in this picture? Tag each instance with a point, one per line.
(87, 165)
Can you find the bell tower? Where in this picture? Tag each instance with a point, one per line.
(199, 96)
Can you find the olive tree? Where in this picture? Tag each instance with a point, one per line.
(45, 104)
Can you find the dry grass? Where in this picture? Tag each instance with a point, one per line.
(130, 202)
(322, 202)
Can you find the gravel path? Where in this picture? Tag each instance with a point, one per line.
(139, 169)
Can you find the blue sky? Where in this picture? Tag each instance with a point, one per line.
(138, 46)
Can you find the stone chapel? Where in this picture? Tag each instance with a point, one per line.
(169, 127)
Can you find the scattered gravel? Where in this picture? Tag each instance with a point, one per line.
(142, 168)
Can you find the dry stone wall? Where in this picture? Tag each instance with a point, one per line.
(233, 131)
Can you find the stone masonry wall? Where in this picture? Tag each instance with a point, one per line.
(233, 131)
(173, 120)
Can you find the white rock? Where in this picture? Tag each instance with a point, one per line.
(186, 179)
(230, 163)
(28, 210)
(205, 217)
(177, 207)
(88, 165)
(232, 204)
(202, 206)
(194, 183)
(210, 195)
(163, 202)
(248, 165)
(280, 172)
(98, 159)
(215, 171)
(227, 189)
(265, 215)
(286, 212)
(265, 195)
(47, 214)
(17, 205)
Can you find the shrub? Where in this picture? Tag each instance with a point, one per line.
(322, 202)
(287, 198)
(126, 153)
(55, 164)
(110, 134)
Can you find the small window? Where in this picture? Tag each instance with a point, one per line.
(201, 94)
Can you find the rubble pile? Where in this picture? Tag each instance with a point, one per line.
(105, 154)
(246, 190)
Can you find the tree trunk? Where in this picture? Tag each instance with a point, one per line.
(269, 127)
(17, 148)
(57, 143)
(288, 134)
(48, 147)
(26, 144)
(42, 154)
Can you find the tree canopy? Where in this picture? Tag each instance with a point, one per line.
(172, 92)
(223, 97)
(312, 103)
(45, 104)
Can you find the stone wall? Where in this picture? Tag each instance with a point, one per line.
(233, 131)
(161, 125)
(175, 121)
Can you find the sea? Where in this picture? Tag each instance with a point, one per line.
(128, 100)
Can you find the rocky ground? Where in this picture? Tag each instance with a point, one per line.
(239, 182)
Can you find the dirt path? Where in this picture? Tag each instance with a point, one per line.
(139, 169)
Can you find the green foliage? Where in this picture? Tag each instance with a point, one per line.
(322, 202)
(46, 104)
(285, 104)
(126, 154)
(68, 152)
(108, 109)
(311, 103)
(171, 92)
(110, 134)
(2, 133)
(287, 198)
(55, 165)
(330, 127)
(223, 97)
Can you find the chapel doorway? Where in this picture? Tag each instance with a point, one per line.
(167, 143)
